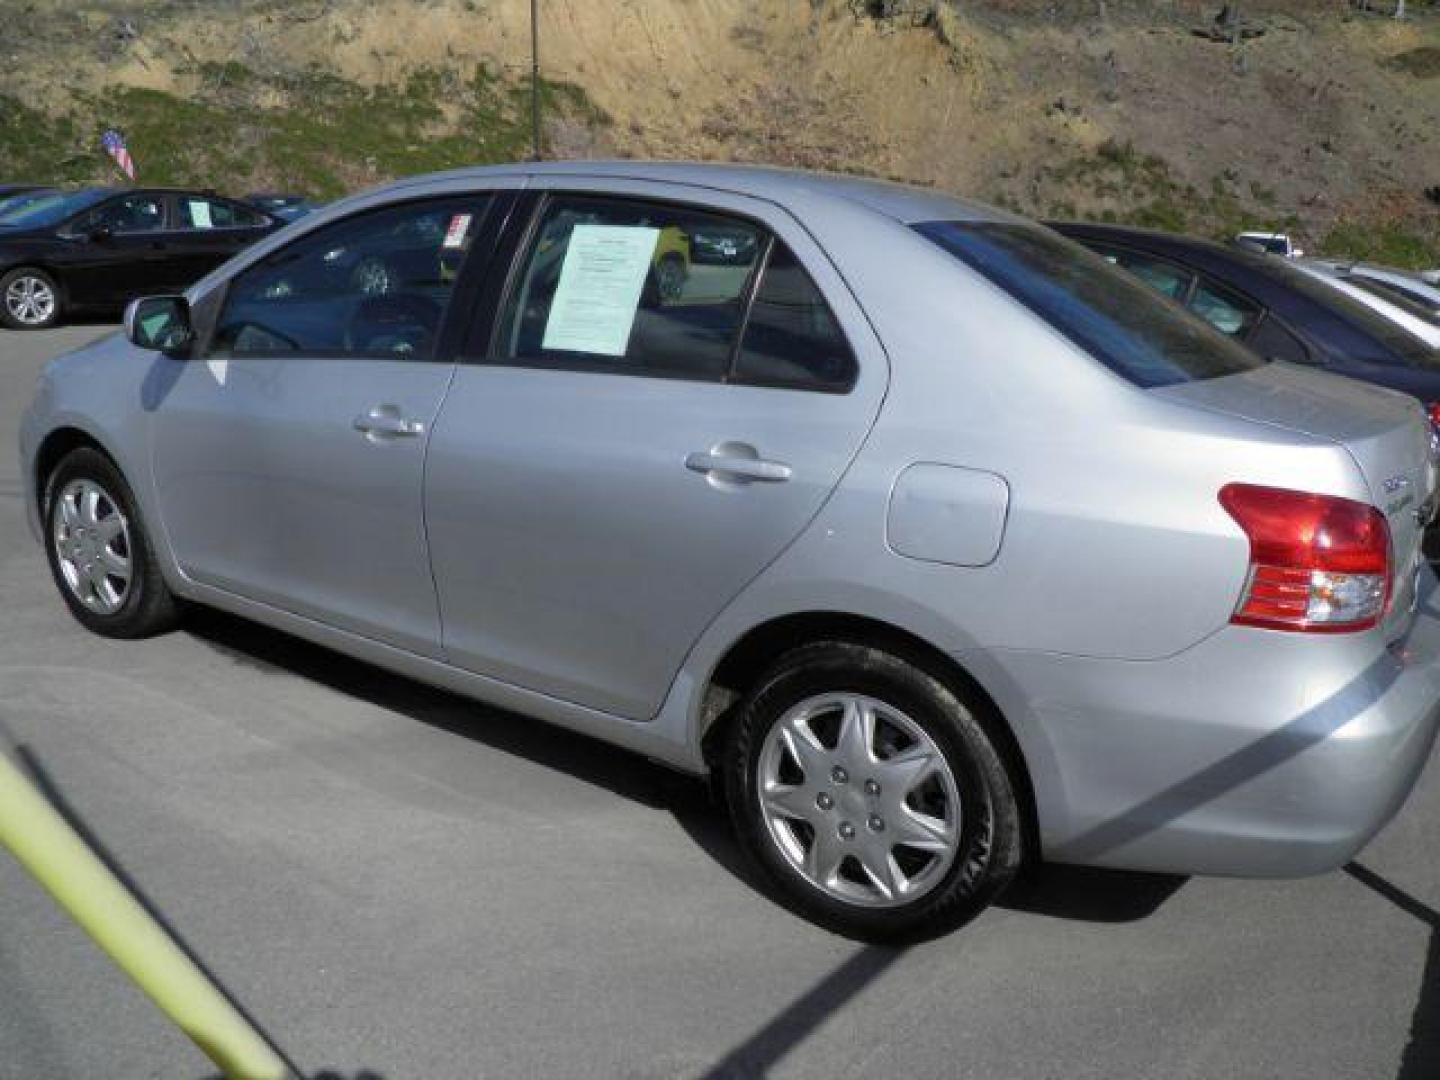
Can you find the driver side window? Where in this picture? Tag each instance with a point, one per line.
(375, 284)
(133, 214)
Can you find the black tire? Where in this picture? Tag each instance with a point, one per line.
(990, 846)
(147, 606)
(13, 312)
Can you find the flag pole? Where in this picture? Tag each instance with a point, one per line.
(535, 79)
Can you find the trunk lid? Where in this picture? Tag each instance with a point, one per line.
(1386, 433)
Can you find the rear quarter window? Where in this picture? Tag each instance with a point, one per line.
(1117, 319)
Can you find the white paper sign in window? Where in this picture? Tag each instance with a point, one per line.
(200, 214)
(599, 290)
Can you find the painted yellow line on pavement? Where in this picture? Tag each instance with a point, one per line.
(60, 860)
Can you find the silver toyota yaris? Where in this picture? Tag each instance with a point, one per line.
(945, 543)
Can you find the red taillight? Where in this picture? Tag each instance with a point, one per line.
(1317, 563)
(1433, 411)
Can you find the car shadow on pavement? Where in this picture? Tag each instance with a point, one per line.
(1107, 896)
(1090, 894)
(1421, 1060)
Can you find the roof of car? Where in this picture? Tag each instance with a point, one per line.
(785, 187)
(1230, 261)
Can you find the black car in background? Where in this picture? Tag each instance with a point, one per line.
(94, 250)
(1278, 311)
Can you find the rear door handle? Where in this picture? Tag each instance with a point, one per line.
(385, 422)
(737, 461)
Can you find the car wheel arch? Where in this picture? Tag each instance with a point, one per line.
(746, 659)
(52, 450)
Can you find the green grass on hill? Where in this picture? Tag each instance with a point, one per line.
(325, 137)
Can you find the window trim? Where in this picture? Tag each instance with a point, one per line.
(445, 351)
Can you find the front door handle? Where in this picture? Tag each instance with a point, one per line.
(385, 422)
(737, 462)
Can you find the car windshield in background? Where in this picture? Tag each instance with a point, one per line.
(49, 209)
(1405, 346)
(1115, 317)
(11, 203)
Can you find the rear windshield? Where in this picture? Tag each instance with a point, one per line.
(1116, 318)
(1405, 300)
(1404, 346)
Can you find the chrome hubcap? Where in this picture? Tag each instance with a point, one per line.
(30, 300)
(92, 546)
(859, 800)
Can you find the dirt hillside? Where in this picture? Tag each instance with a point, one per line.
(1307, 115)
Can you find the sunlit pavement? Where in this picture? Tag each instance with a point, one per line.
(393, 879)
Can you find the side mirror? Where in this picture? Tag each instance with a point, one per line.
(100, 233)
(161, 323)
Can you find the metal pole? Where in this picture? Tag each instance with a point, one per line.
(58, 858)
(535, 77)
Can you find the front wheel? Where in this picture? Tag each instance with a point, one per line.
(29, 299)
(100, 555)
(871, 793)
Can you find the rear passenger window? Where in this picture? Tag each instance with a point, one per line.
(792, 338)
(633, 287)
(1274, 342)
(1161, 276)
(1224, 311)
(197, 212)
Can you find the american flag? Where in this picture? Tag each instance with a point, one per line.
(113, 143)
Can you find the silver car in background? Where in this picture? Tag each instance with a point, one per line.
(943, 542)
(1414, 317)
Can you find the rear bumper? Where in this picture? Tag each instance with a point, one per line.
(1255, 753)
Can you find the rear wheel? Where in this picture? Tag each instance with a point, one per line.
(100, 555)
(871, 793)
(29, 299)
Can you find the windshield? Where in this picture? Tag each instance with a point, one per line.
(19, 199)
(1116, 318)
(48, 208)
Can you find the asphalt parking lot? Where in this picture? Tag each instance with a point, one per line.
(395, 880)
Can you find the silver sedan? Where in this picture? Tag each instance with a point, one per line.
(942, 542)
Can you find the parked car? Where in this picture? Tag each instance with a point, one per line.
(1272, 307)
(93, 250)
(1397, 285)
(1403, 312)
(285, 207)
(1271, 243)
(944, 542)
